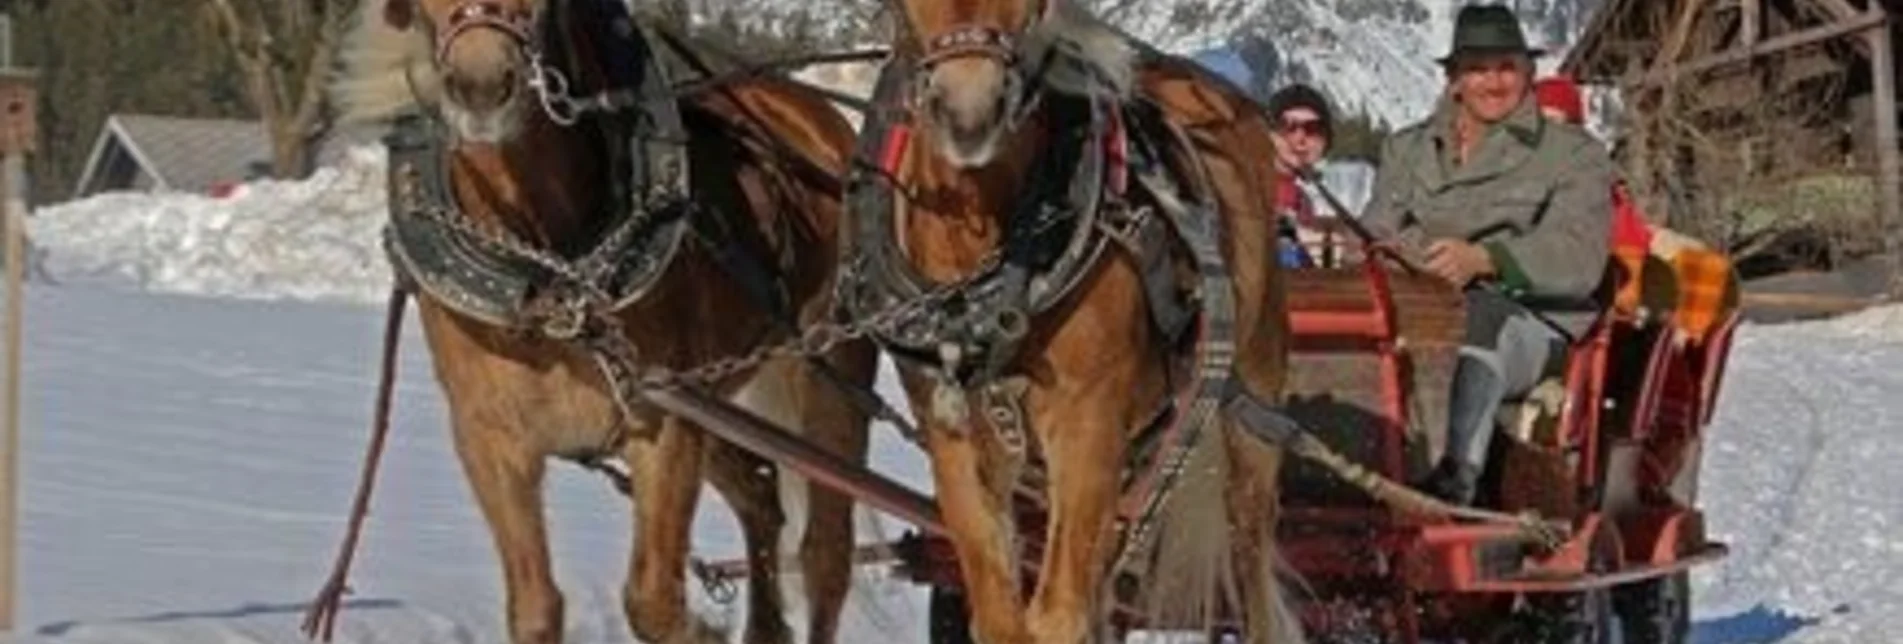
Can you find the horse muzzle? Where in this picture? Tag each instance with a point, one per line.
(968, 88)
(484, 55)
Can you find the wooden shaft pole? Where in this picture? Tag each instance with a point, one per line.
(15, 165)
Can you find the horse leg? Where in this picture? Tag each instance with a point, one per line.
(747, 483)
(1083, 439)
(974, 481)
(831, 421)
(666, 483)
(506, 476)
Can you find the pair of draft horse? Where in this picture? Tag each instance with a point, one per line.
(582, 230)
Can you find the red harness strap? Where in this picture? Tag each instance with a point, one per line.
(1116, 153)
(896, 140)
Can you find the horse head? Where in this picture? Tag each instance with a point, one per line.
(485, 53)
(979, 66)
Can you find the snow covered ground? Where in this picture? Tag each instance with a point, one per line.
(188, 461)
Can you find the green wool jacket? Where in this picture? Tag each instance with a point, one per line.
(1536, 194)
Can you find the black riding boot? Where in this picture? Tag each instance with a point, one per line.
(1478, 388)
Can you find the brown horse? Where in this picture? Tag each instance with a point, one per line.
(994, 105)
(540, 343)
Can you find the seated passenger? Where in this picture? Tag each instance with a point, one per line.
(1514, 209)
(1303, 127)
(1560, 101)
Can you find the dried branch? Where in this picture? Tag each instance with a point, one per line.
(335, 17)
(286, 49)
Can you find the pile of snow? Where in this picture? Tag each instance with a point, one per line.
(315, 239)
(1879, 323)
(852, 78)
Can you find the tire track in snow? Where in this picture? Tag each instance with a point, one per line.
(1790, 496)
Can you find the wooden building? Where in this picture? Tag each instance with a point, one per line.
(1723, 99)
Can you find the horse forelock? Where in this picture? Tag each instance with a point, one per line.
(385, 71)
(1085, 55)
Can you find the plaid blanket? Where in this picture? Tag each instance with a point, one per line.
(1707, 287)
(1707, 291)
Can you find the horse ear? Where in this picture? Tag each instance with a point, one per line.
(398, 14)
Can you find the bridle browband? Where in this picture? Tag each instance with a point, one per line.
(980, 40)
(522, 26)
(971, 40)
(966, 40)
(471, 15)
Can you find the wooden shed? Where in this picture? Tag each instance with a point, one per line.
(1724, 101)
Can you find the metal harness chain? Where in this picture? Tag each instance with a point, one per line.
(551, 88)
(585, 273)
(589, 302)
(587, 319)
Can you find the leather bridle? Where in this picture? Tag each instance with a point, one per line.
(978, 40)
(471, 15)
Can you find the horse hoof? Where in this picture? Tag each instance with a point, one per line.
(698, 631)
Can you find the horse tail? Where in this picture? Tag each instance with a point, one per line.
(1192, 574)
(1216, 538)
(771, 393)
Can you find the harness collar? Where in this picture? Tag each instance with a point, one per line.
(499, 281)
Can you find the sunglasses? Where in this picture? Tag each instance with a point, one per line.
(1310, 127)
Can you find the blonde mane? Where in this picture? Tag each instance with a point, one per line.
(1086, 46)
(384, 71)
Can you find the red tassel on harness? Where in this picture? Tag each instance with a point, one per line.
(1116, 153)
(895, 141)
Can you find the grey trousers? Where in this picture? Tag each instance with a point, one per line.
(1506, 352)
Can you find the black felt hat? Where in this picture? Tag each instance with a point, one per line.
(1488, 29)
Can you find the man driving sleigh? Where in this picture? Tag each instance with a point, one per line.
(1509, 206)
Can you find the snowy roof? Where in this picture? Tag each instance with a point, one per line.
(182, 154)
(189, 154)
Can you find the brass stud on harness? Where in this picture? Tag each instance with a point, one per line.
(1004, 407)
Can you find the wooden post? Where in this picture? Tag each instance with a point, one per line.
(15, 164)
(1889, 190)
(18, 136)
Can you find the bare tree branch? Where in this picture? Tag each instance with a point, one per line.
(286, 49)
(335, 17)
